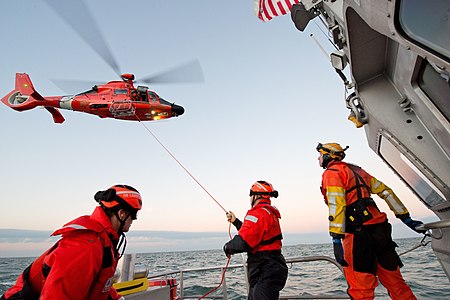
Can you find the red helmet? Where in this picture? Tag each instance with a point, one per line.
(264, 189)
(123, 196)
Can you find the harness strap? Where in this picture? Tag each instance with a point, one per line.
(357, 213)
(359, 183)
(356, 186)
(272, 240)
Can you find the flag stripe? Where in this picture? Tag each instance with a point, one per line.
(267, 9)
(282, 10)
(273, 11)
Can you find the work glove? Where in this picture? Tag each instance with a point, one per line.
(339, 252)
(406, 219)
(231, 217)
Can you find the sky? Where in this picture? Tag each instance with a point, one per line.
(269, 96)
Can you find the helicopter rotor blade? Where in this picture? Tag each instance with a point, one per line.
(70, 86)
(77, 15)
(190, 72)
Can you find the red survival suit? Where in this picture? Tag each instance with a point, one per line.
(368, 246)
(81, 265)
(260, 236)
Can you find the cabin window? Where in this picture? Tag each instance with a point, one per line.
(436, 86)
(121, 91)
(409, 173)
(153, 96)
(426, 23)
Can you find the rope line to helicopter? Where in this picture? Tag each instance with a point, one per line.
(195, 179)
(179, 163)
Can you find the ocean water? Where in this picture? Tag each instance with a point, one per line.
(421, 271)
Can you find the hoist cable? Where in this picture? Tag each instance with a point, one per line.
(195, 179)
(181, 165)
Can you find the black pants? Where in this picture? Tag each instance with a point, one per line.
(267, 274)
(373, 244)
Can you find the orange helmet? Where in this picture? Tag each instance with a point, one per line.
(120, 196)
(264, 189)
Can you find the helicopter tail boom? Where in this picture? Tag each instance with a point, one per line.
(25, 97)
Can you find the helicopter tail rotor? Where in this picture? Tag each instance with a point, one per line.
(25, 97)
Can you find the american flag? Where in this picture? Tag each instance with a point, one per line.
(267, 9)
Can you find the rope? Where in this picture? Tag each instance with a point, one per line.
(221, 281)
(192, 176)
(181, 165)
(421, 244)
(224, 270)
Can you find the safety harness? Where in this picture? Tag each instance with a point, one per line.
(270, 209)
(272, 240)
(356, 214)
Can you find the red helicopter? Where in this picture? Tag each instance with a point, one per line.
(115, 99)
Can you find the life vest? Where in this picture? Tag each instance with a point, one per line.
(361, 209)
(261, 228)
(32, 280)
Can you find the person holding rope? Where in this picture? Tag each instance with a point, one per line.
(81, 265)
(367, 251)
(260, 236)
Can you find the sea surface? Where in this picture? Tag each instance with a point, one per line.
(421, 271)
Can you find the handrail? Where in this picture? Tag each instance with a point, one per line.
(289, 260)
(434, 225)
(314, 258)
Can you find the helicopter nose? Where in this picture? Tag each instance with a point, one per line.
(177, 110)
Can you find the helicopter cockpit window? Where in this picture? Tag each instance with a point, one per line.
(121, 91)
(153, 96)
(426, 23)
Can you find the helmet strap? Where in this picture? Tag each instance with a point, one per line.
(254, 199)
(122, 240)
(326, 159)
(122, 222)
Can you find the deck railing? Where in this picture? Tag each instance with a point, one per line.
(181, 274)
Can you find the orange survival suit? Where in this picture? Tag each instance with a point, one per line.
(368, 247)
(81, 265)
(260, 235)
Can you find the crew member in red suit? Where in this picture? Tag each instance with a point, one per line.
(260, 236)
(367, 251)
(81, 265)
